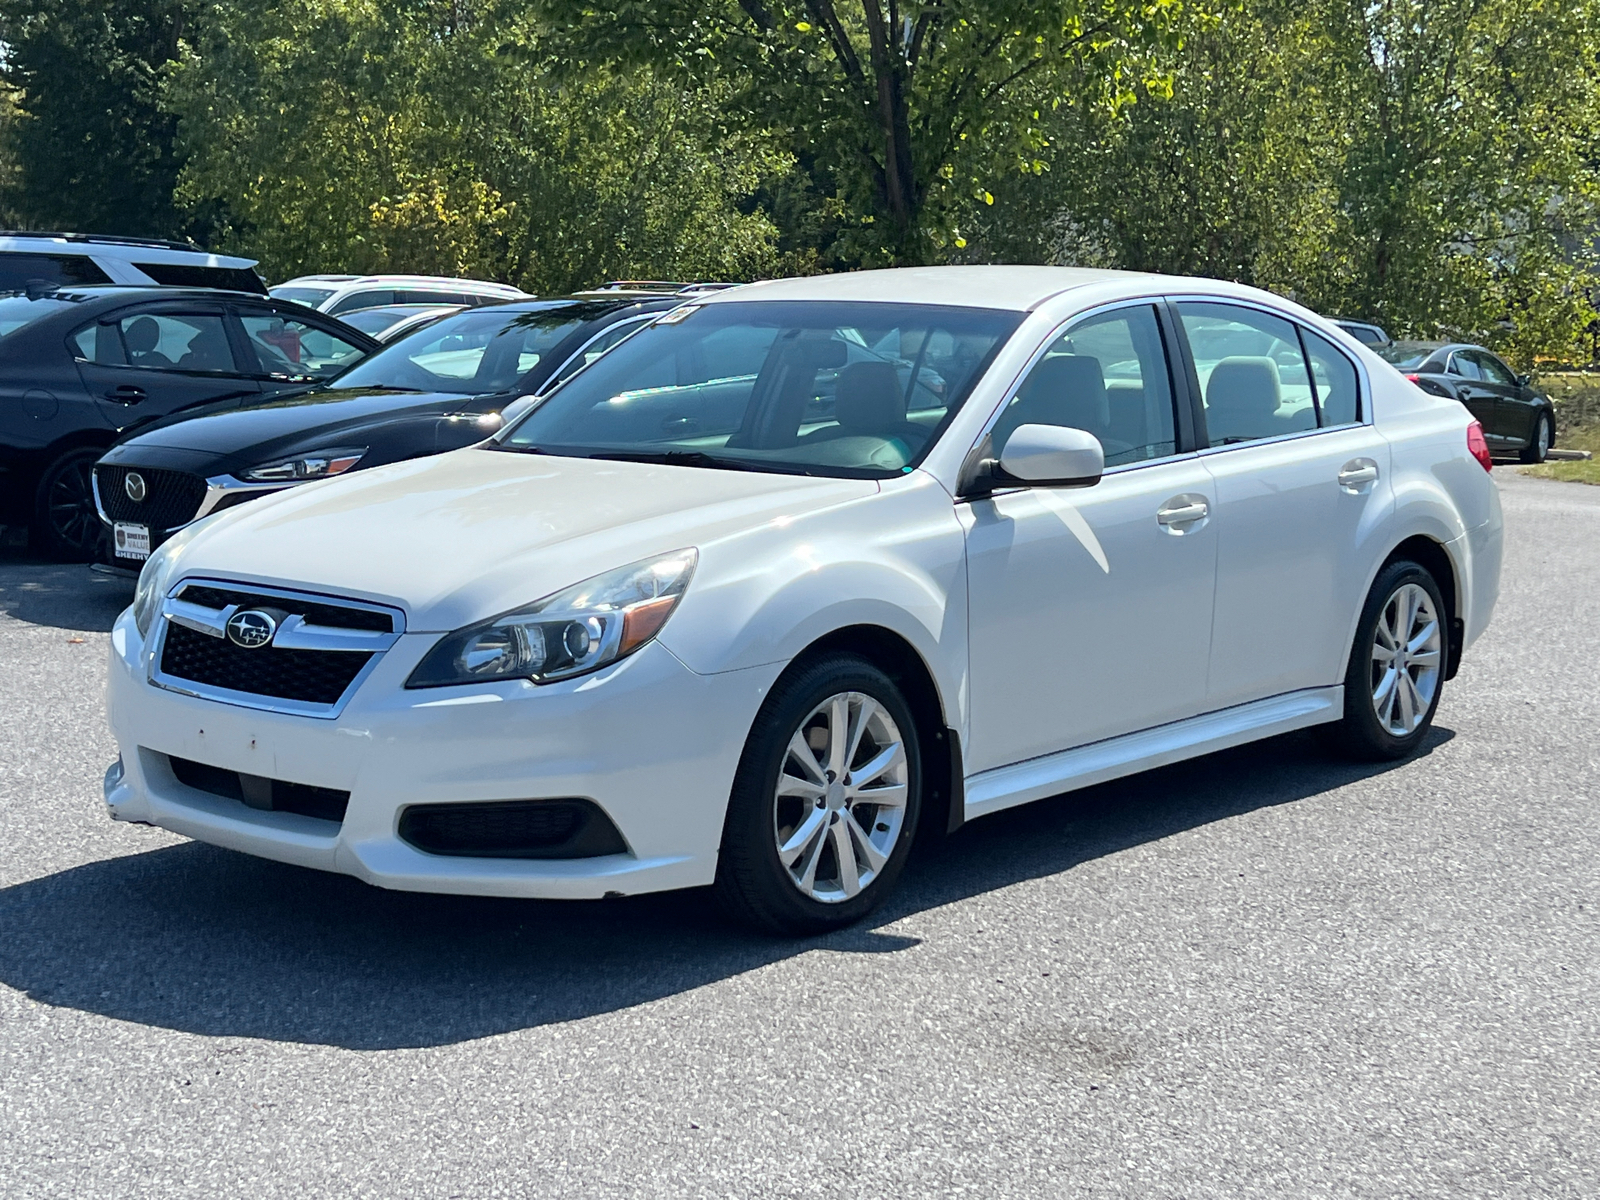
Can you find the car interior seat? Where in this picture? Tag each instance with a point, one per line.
(1242, 398)
(868, 402)
(141, 337)
(1067, 390)
(208, 351)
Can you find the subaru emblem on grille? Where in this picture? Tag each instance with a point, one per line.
(251, 628)
(134, 486)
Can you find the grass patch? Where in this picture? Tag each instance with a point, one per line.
(1585, 436)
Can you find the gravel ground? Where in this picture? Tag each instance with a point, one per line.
(1263, 974)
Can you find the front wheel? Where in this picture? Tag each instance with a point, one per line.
(1396, 672)
(1538, 448)
(825, 802)
(65, 520)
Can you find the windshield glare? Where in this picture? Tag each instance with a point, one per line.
(483, 350)
(1404, 357)
(17, 311)
(815, 387)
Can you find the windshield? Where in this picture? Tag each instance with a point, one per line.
(1406, 355)
(482, 350)
(309, 296)
(17, 311)
(813, 387)
(376, 320)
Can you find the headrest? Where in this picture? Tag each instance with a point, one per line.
(1068, 390)
(867, 399)
(1243, 388)
(142, 335)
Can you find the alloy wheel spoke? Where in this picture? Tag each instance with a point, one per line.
(807, 832)
(838, 734)
(808, 876)
(800, 750)
(1428, 660)
(849, 873)
(793, 785)
(866, 709)
(1430, 631)
(892, 796)
(878, 765)
(875, 857)
(1381, 653)
(1408, 710)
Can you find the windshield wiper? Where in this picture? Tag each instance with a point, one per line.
(681, 458)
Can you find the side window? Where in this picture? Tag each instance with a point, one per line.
(289, 347)
(1461, 364)
(1338, 389)
(1107, 375)
(1494, 370)
(1253, 376)
(17, 271)
(362, 299)
(101, 344)
(169, 342)
(593, 350)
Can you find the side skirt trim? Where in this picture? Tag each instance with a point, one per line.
(1020, 783)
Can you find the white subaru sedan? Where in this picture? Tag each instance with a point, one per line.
(805, 572)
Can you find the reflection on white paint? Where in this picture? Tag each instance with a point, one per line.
(1076, 525)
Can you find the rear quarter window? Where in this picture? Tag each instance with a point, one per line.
(233, 279)
(18, 271)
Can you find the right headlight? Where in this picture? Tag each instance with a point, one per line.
(573, 632)
(157, 573)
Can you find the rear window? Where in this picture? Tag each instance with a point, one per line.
(17, 311)
(20, 271)
(234, 279)
(1406, 357)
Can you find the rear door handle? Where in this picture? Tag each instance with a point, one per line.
(1357, 474)
(126, 393)
(1181, 513)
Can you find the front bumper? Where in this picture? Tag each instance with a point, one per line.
(652, 743)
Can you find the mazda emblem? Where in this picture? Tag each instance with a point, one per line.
(134, 486)
(251, 628)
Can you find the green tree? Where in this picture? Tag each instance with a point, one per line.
(901, 113)
(90, 147)
(354, 135)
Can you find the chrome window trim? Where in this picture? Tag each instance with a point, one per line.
(306, 637)
(1057, 331)
(218, 487)
(639, 322)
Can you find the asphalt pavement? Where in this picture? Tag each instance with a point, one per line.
(1267, 973)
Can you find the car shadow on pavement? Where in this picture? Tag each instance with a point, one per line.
(62, 595)
(207, 941)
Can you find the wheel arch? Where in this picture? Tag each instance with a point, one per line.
(944, 803)
(1436, 559)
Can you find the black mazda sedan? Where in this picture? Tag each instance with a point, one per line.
(1516, 418)
(446, 386)
(80, 367)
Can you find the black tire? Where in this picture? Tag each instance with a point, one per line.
(1539, 443)
(753, 884)
(65, 523)
(1362, 734)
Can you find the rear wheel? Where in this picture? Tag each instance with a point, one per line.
(825, 803)
(66, 524)
(1396, 673)
(1538, 448)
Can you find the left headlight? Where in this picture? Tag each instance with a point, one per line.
(157, 571)
(318, 464)
(575, 631)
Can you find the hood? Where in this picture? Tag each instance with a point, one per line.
(463, 536)
(230, 427)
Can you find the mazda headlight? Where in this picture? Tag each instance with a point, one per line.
(318, 464)
(572, 632)
(157, 573)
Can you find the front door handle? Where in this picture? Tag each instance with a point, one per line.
(1182, 513)
(126, 393)
(1357, 474)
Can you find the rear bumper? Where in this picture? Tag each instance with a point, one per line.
(648, 740)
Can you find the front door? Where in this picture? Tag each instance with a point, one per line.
(1514, 410)
(1090, 608)
(1300, 482)
(146, 363)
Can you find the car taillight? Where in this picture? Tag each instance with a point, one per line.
(1477, 447)
(1416, 379)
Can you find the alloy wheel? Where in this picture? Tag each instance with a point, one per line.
(69, 505)
(1407, 647)
(840, 801)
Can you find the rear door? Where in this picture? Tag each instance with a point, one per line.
(1480, 399)
(1301, 478)
(156, 359)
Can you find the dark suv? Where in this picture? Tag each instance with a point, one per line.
(81, 367)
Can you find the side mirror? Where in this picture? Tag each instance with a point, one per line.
(1043, 456)
(1525, 380)
(516, 408)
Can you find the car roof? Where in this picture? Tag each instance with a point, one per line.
(123, 292)
(132, 249)
(1019, 289)
(349, 280)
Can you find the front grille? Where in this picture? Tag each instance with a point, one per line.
(274, 795)
(171, 497)
(335, 615)
(568, 828)
(310, 676)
